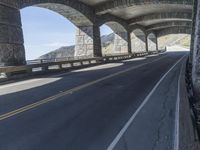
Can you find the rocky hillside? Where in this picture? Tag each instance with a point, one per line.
(181, 40)
(107, 45)
(68, 51)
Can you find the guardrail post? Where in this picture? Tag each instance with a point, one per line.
(60, 66)
(45, 68)
(29, 70)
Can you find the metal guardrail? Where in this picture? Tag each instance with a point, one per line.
(40, 61)
(42, 66)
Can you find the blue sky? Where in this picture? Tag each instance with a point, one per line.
(45, 30)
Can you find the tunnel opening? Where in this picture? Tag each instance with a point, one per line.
(172, 42)
(138, 41)
(118, 39)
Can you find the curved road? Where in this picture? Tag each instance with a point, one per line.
(87, 108)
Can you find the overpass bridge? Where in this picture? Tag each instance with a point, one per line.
(140, 99)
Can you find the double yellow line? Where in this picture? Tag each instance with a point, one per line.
(53, 98)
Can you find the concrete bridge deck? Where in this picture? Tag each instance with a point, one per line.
(109, 106)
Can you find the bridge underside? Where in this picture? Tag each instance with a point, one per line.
(136, 24)
(123, 17)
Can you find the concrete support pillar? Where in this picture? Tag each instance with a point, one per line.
(193, 30)
(146, 43)
(129, 43)
(88, 41)
(151, 45)
(157, 49)
(121, 43)
(138, 43)
(196, 55)
(11, 37)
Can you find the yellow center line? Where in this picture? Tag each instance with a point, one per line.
(53, 98)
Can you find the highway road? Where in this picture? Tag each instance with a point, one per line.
(92, 108)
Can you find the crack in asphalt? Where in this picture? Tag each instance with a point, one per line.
(162, 120)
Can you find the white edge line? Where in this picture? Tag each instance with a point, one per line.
(177, 115)
(123, 130)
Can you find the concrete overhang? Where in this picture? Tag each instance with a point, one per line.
(129, 9)
(155, 18)
(169, 24)
(173, 30)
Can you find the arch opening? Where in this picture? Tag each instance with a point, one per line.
(117, 39)
(174, 42)
(46, 31)
(68, 10)
(79, 30)
(138, 41)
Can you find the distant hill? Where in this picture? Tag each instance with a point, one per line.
(181, 40)
(108, 44)
(68, 51)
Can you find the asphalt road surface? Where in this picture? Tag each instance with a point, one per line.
(87, 108)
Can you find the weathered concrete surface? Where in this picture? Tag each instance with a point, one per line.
(77, 12)
(88, 42)
(169, 24)
(174, 30)
(75, 16)
(195, 2)
(188, 138)
(138, 41)
(196, 55)
(134, 8)
(121, 43)
(121, 40)
(150, 19)
(152, 42)
(84, 41)
(11, 39)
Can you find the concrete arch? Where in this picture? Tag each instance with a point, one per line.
(138, 41)
(162, 25)
(121, 37)
(104, 19)
(81, 16)
(155, 18)
(137, 26)
(152, 41)
(108, 6)
(116, 27)
(174, 30)
(78, 13)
